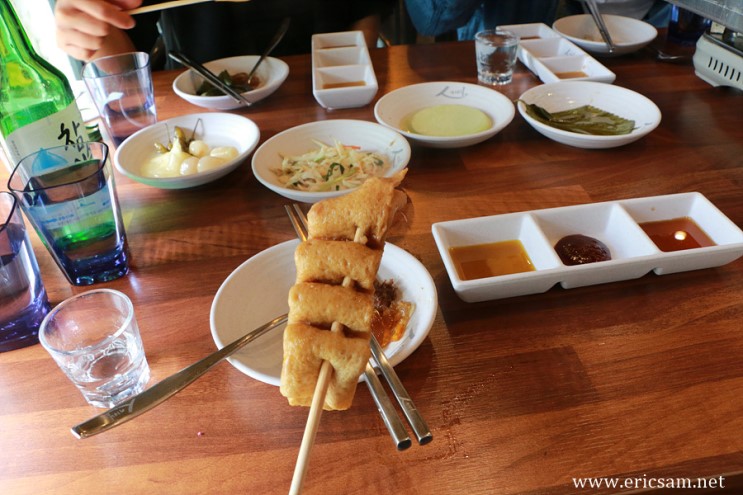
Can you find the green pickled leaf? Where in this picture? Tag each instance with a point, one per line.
(582, 120)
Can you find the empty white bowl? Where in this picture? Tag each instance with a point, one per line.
(564, 95)
(627, 34)
(271, 73)
(395, 107)
(298, 140)
(216, 129)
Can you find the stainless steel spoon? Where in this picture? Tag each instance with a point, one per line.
(283, 28)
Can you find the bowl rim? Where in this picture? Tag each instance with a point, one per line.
(281, 76)
(492, 130)
(199, 176)
(644, 27)
(311, 195)
(546, 88)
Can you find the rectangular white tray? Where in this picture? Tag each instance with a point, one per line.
(547, 54)
(615, 223)
(339, 58)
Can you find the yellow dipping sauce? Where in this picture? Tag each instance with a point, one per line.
(447, 121)
(490, 260)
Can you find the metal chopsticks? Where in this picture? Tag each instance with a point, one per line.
(594, 10)
(209, 76)
(392, 420)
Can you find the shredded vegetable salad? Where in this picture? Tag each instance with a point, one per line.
(330, 168)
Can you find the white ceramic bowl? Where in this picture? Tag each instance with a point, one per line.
(216, 129)
(565, 95)
(299, 140)
(272, 72)
(393, 108)
(627, 34)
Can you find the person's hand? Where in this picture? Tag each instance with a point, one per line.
(88, 28)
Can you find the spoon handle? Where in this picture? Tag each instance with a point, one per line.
(168, 387)
(283, 28)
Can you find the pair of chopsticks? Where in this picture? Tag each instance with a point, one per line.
(390, 417)
(174, 3)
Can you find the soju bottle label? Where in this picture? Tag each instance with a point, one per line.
(64, 128)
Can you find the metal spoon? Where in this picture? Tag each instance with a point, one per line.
(594, 10)
(274, 42)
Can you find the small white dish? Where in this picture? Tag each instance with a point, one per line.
(271, 73)
(216, 129)
(565, 95)
(298, 140)
(342, 72)
(617, 224)
(256, 292)
(627, 34)
(553, 58)
(395, 107)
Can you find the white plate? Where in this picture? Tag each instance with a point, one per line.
(565, 95)
(216, 129)
(257, 291)
(615, 223)
(300, 139)
(272, 72)
(394, 107)
(627, 34)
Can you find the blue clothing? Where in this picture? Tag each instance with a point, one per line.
(467, 17)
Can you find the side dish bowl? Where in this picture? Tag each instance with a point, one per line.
(216, 129)
(627, 34)
(366, 136)
(395, 107)
(567, 95)
(271, 74)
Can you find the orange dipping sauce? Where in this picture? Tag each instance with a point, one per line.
(677, 234)
(491, 259)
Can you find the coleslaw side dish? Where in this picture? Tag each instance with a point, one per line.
(330, 168)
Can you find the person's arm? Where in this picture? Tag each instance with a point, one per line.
(370, 26)
(87, 29)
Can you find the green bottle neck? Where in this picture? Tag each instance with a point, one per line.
(13, 39)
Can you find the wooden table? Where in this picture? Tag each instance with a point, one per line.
(640, 379)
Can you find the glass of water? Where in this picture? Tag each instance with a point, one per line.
(496, 55)
(94, 338)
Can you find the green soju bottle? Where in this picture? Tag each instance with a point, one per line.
(37, 106)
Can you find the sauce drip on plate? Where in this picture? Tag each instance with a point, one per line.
(677, 234)
(491, 259)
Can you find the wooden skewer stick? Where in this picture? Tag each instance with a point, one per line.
(174, 3)
(318, 400)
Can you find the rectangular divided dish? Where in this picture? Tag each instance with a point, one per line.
(342, 72)
(553, 58)
(615, 223)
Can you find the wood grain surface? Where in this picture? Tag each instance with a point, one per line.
(639, 379)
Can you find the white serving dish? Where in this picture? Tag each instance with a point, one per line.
(256, 292)
(368, 136)
(627, 34)
(272, 73)
(339, 59)
(565, 95)
(393, 108)
(216, 129)
(553, 58)
(615, 223)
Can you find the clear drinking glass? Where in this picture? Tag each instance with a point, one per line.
(121, 87)
(496, 56)
(23, 300)
(74, 208)
(95, 339)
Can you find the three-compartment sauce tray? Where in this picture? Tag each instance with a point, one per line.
(617, 224)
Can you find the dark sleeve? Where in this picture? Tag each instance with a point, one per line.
(144, 34)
